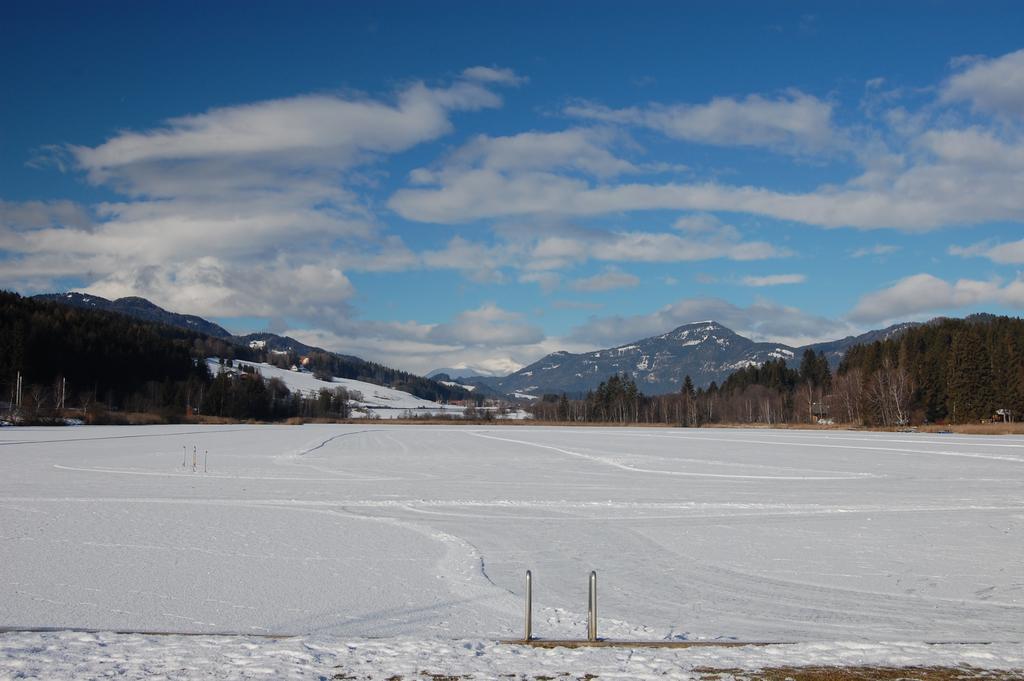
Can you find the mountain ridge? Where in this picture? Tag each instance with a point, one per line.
(140, 308)
(347, 366)
(706, 351)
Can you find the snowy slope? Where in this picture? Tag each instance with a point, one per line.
(376, 400)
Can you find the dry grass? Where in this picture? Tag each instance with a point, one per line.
(978, 428)
(966, 429)
(145, 418)
(861, 674)
(770, 674)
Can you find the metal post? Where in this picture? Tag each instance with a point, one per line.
(592, 608)
(529, 606)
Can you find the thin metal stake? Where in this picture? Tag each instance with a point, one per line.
(592, 608)
(529, 606)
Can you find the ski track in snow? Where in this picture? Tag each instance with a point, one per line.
(637, 469)
(424, 532)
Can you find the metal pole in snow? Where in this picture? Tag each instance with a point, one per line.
(195, 455)
(529, 606)
(184, 456)
(592, 608)
(206, 457)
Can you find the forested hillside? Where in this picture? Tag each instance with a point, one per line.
(957, 370)
(949, 370)
(88, 358)
(282, 351)
(99, 365)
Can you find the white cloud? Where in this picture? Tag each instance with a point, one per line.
(702, 223)
(917, 175)
(214, 287)
(975, 148)
(763, 320)
(487, 325)
(930, 194)
(990, 85)
(576, 305)
(35, 215)
(794, 122)
(1011, 253)
(548, 281)
(720, 241)
(489, 339)
(577, 149)
(774, 280)
(493, 74)
(254, 209)
(258, 145)
(663, 247)
(482, 262)
(877, 249)
(610, 279)
(925, 293)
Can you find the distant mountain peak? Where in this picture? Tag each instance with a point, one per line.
(136, 301)
(704, 350)
(455, 372)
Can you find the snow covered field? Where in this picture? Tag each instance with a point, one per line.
(367, 540)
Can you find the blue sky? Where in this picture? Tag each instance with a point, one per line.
(480, 184)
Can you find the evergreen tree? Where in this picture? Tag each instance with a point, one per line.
(969, 378)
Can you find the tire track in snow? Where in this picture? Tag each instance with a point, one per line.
(458, 572)
(335, 437)
(880, 436)
(211, 476)
(122, 437)
(820, 445)
(636, 469)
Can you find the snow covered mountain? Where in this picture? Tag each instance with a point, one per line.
(706, 351)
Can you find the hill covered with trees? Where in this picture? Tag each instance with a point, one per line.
(945, 371)
(281, 351)
(100, 364)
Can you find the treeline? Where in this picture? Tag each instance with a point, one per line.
(241, 393)
(769, 393)
(83, 358)
(947, 371)
(98, 365)
(950, 370)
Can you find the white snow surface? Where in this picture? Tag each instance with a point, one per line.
(72, 655)
(377, 401)
(386, 548)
